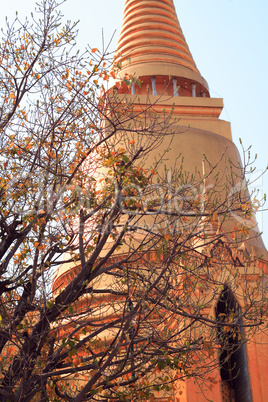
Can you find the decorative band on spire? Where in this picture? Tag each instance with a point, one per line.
(152, 43)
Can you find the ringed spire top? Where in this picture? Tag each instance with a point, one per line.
(151, 43)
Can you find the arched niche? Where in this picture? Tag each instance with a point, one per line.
(235, 386)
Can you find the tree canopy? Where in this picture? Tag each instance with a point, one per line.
(109, 267)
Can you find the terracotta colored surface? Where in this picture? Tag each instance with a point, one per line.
(152, 44)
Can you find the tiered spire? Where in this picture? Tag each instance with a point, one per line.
(151, 42)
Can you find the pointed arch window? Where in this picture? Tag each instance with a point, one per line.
(235, 384)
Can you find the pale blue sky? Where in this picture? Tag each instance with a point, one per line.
(228, 40)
